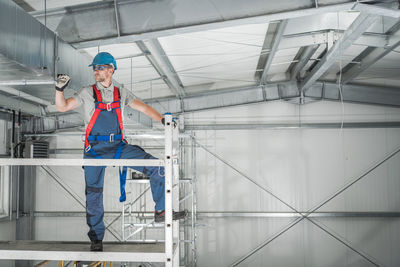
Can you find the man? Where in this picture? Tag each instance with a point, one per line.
(103, 105)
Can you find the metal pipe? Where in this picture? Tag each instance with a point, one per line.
(18, 168)
(8, 173)
(286, 214)
(130, 204)
(194, 201)
(13, 133)
(17, 194)
(141, 135)
(279, 126)
(23, 95)
(27, 82)
(11, 185)
(81, 162)
(237, 214)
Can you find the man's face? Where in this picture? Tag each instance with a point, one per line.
(102, 72)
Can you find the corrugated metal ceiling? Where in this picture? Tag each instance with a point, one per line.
(210, 59)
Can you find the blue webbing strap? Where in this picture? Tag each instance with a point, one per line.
(122, 173)
(122, 182)
(105, 138)
(94, 154)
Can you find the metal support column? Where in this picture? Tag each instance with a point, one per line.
(194, 201)
(169, 244)
(175, 190)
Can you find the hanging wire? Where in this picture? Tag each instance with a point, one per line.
(214, 78)
(241, 43)
(246, 58)
(203, 54)
(340, 75)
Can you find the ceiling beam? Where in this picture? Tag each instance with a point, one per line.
(356, 93)
(355, 30)
(159, 60)
(142, 20)
(14, 103)
(272, 40)
(373, 95)
(24, 96)
(391, 10)
(117, 18)
(371, 55)
(305, 57)
(321, 37)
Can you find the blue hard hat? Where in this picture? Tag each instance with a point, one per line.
(104, 58)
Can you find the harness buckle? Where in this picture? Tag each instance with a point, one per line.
(88, 148)
(109, 107)
(112, 137)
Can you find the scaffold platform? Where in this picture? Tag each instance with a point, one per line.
(80, 251)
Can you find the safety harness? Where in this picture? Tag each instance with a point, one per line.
(102, 107)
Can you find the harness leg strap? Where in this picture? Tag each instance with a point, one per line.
(122, 173)
(122, 182)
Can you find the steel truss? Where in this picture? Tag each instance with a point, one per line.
(129, 252)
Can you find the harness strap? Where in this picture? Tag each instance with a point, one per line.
(122, 173)
(90, 127)
(119, 116)
(110, 138)
(116, 94)
(100, 106)
(108, 107)
(122, 182)
(98, 93)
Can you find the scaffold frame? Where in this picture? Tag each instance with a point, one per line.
(167, 252)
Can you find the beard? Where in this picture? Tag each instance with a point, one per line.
(99, 79)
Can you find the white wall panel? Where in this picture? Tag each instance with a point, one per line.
(301, 166)
(7, 232)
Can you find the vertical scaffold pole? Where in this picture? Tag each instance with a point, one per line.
(194, 201)
(175, 195)
(169, 243)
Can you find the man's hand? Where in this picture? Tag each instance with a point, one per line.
(62, 82)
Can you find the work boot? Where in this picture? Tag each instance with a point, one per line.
(96, 245)
(159, 216)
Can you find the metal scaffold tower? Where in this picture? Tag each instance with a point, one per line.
(166, 251)
(136, 223)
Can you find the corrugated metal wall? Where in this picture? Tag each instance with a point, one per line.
(301, 166)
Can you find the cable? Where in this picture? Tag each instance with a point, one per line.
(340, 78)
(241, 59)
